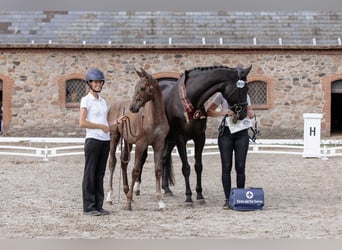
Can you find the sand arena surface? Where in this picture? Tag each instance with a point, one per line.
(303, 198)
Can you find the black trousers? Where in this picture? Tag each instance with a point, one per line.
(229, 143)
(96, 156)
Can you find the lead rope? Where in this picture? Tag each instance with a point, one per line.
(121, 142)
(254, 130)
(126, 126)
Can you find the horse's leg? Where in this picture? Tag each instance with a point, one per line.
(125, 157)
(181, 146)
(199, 145)
(112, 162)
(166, 163)
(138, 181)
(158, 151)
(139, 150)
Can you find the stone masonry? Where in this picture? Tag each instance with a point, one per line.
(300, 82)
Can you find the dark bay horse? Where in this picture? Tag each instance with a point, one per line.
(142, 127)
(184, 106)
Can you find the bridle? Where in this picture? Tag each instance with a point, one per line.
(126, 124)
(239, 106)
(149, 86)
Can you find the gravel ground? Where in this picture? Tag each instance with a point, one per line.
(42, 199)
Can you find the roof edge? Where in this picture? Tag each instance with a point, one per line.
(170, 47)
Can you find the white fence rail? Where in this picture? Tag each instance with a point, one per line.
(329, 148)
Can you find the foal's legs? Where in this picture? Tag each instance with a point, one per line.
(139, 150)
(125, 158)
(138, 181)
(112, 162)
(158, 151)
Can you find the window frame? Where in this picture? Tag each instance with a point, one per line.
(269, 95)
(62, 81)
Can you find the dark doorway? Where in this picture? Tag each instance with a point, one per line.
(1, 108)
(336, 105)
(336, 113)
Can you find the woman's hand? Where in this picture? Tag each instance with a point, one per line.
(229, 113)
(105, 128)
(250, 114)
(118, 120)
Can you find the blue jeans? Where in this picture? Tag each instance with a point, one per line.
(229, 143)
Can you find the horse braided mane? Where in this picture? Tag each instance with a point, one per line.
(207, 68)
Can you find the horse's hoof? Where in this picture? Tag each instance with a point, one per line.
(128, 208)
(109, 202)
(189, 204)
(199, 196)
(163, 209)
(161, 205)
(168, 194)
(188, 201)
(201, 201)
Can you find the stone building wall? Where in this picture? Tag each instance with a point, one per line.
(299, 82)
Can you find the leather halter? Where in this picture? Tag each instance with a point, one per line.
(190, 112)
(239, 106)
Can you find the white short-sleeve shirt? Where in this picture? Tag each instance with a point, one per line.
(97, 110)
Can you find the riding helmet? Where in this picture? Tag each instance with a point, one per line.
(94, 74)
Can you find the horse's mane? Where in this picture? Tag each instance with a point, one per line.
(207, 68)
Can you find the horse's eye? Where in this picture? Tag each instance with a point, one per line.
(142, 88)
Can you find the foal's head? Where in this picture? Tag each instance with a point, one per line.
(143, 90)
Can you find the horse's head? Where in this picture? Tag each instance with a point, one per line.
(143, 90)
(236, 90)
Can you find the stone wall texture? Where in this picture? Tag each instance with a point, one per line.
(301, 83)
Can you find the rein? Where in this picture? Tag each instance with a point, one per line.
(254, 130)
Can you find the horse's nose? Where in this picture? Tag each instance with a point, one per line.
(134, 109)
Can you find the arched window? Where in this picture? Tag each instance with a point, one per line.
(336, 86)
(71, 89)
(260, 90)
(6, 92)
(1, 83)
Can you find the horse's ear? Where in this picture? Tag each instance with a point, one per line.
(147, 75)
(140, 74)
(245, 71)
(248, 69)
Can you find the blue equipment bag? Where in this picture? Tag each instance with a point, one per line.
(246, 199)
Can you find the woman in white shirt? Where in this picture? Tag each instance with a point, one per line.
(236, 141)
(93, 117)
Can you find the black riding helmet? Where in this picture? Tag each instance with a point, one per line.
(94, 74)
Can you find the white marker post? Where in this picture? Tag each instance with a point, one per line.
(312, 135)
